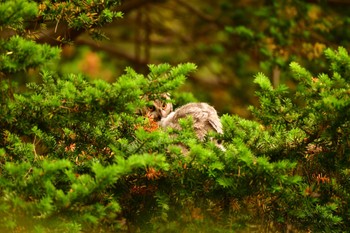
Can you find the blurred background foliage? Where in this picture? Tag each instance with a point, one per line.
(230, 41)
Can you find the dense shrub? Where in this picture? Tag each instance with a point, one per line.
(78, 156)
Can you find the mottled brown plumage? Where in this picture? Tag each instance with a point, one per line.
(161, 108)
(205, 118)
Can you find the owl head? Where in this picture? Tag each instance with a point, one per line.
(161, 107)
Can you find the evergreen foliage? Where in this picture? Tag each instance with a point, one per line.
(13, 13)
(79, 15)
(77, 156)
(19, 54)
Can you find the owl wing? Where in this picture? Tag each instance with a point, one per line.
(203, 115)
(211, 117)
(190, 109)
(214, 121)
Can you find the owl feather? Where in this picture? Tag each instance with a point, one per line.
(205, 118)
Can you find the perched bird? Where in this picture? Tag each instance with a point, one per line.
(161, 108)
(205, 118)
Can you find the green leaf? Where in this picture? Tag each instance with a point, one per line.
(263, 81)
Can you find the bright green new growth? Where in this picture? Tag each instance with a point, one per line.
(19, 54)
(13, 13)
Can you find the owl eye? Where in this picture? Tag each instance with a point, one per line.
(164, 105)
(152, 108)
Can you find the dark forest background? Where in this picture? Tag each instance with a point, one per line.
(229, 41)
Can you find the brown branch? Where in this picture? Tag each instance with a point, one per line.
(196, 11)
(148, 30)
(276, 76)
(57, 30)
(333, 2)
(131, 5)
(137, 39)
(61, 29)
(112, 51)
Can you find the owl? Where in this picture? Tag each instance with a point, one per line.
(160, 108)
(205, 118)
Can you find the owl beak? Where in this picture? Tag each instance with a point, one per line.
(163, 113)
